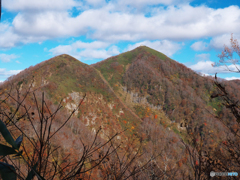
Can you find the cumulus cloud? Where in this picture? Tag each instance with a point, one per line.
(233, 67)
(67, 49)
(91, 45)
(7, 57)
(85, 50)
(95, 2)
(207, 68)
(179, 22)
(4, 74)
(31, 14)
(232, 78)
(61, 49)
(40, 20)
(89, 54)
(199, 46)
(10, 38)
(39, 5)
(203, 74)
(204, 67)
(45, 24)
(218, 42)
(165, 46)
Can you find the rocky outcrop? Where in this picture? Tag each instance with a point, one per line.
(75, 97)
(135, 98)
(44, 82)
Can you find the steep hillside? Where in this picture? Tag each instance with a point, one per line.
(147, 78)
(150, 83)
(158, 100)
(64, 77)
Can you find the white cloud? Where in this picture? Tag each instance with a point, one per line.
(39, 5)
(41, 20)
(218, 42)
(91, 45)
(92, 50)
(48, 24)
(7, 57)
(233, 67)
(207, 68)
(61, 49)
(8, 39)
(113, 50)
(203, 74)
(165, 46)
(232, 78)
(98, 54)
(204, 67)
(4, 27)
(4, 74)
(95, 2)
(202, 57)
(199, 46)
(68, 49)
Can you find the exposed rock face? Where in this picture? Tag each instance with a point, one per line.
(71, 107)
(76, 97)
(90, 121)
(21, 86)
(135, 98)
(44, 82)
(182, 125)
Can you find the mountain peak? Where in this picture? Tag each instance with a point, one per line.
(65, 56)
(149, 51)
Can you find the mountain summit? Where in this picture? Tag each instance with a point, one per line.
(142, 93)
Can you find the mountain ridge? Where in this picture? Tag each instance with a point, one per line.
(154, 98)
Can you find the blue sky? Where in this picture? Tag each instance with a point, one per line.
(192, 32)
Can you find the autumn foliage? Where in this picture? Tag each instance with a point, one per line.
(158, 119)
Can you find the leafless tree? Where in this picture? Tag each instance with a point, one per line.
(37, 156)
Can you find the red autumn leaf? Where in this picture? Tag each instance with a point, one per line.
(196, 163)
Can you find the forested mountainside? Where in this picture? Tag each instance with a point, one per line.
(154, 101)
(146, 78)
(65, 78)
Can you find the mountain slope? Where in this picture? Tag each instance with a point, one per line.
(149, 82)
(155, 98)
(156, 80)
(64, 77)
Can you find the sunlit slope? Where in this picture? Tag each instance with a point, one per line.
(145, 78)
(66, 78)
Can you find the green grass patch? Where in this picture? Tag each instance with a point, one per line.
(176, 131)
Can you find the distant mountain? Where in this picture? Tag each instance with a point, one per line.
(156, 98)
